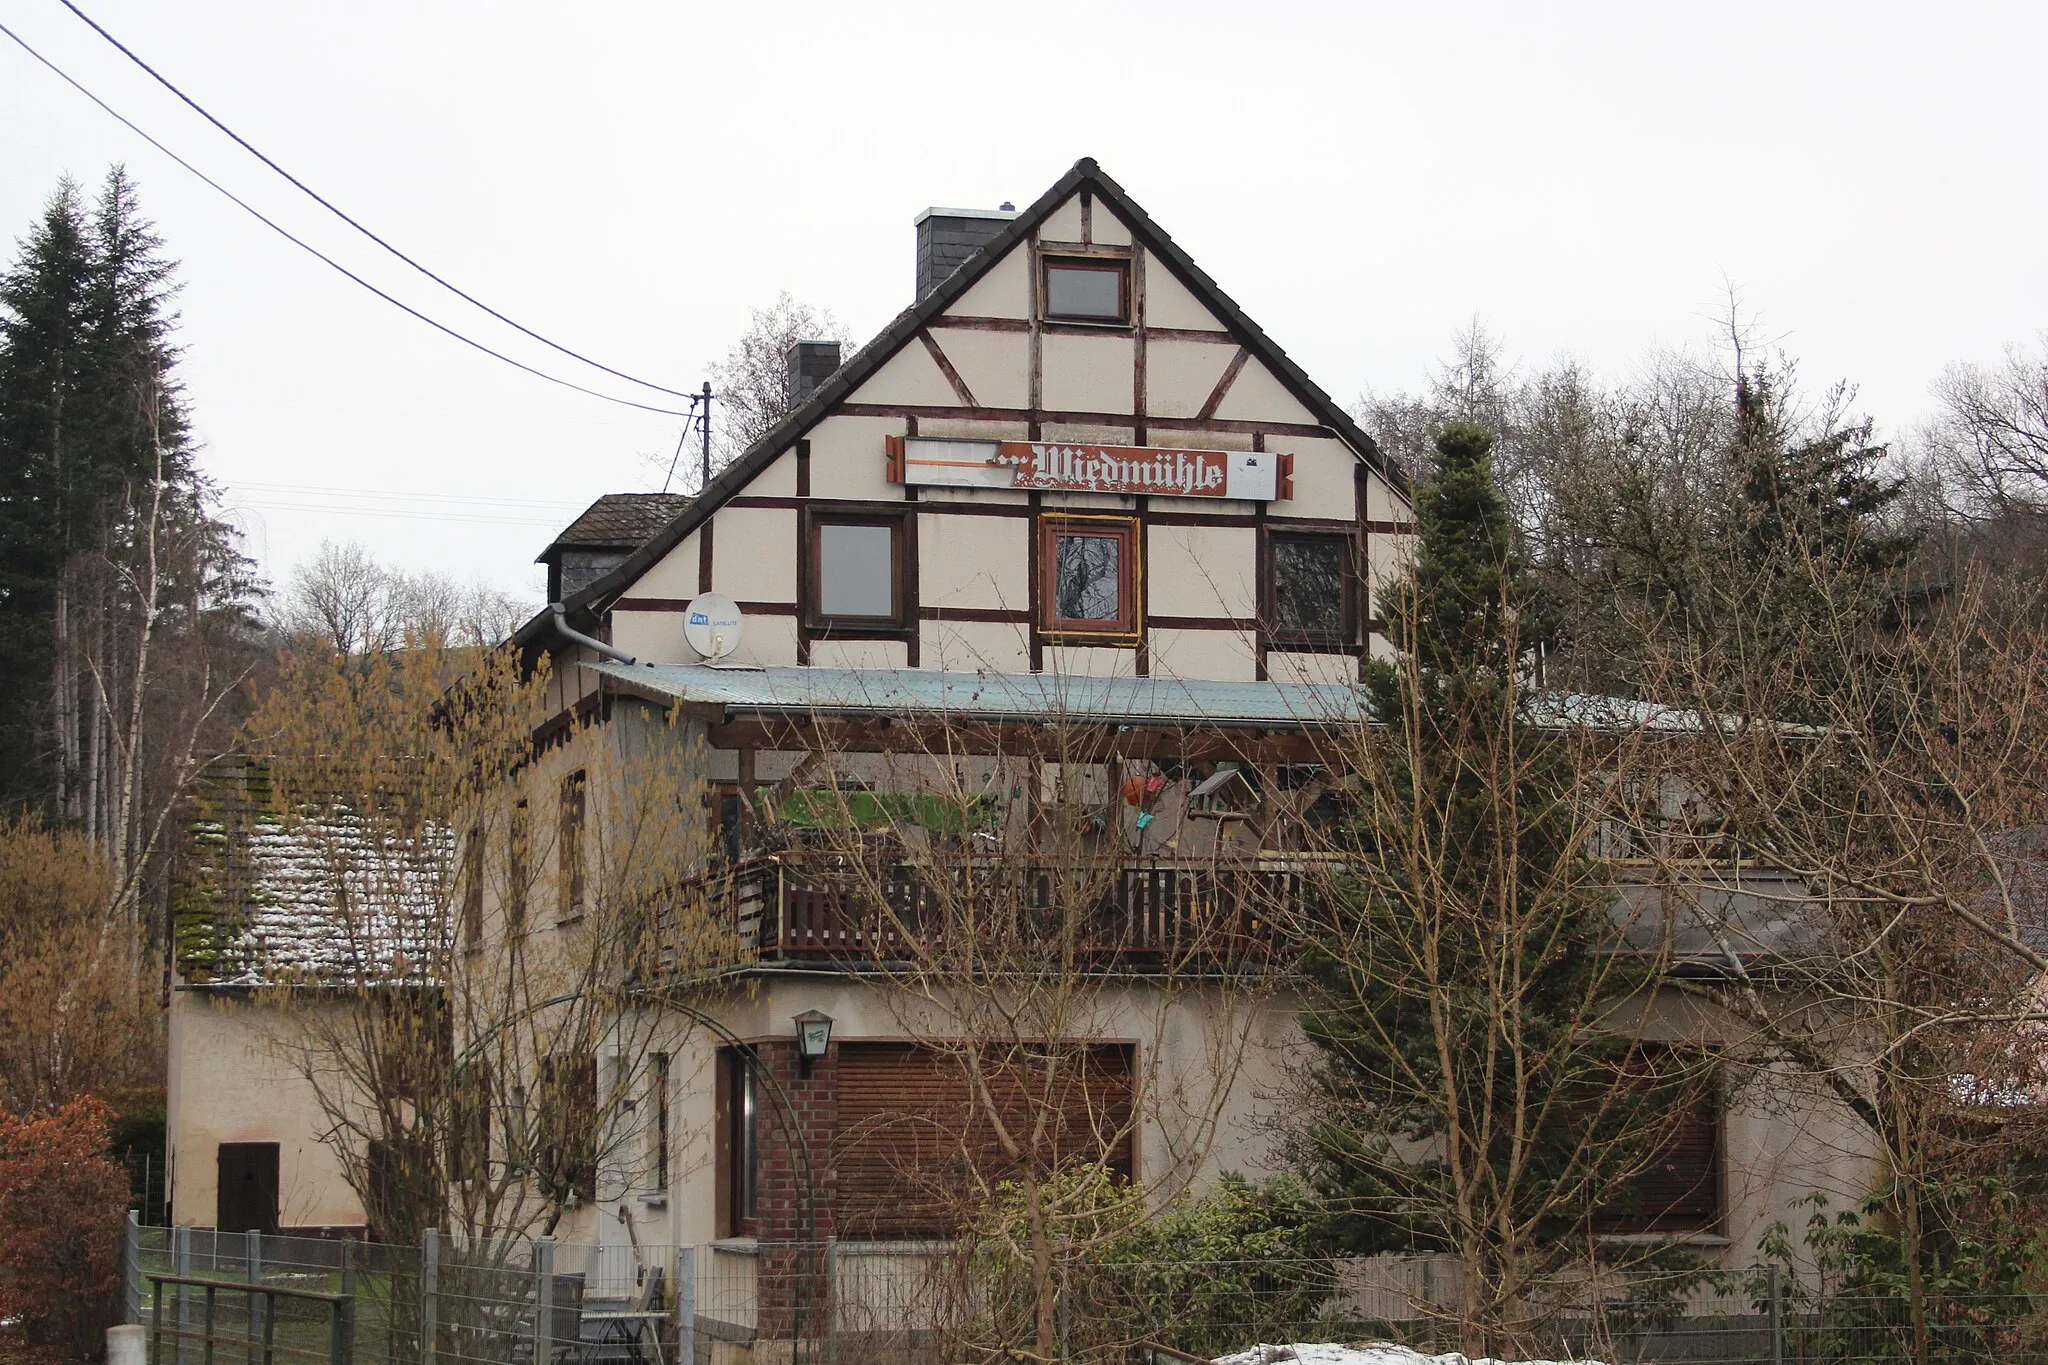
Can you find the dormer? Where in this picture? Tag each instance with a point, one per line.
(598, 541)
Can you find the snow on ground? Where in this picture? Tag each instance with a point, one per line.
(1374, 1353)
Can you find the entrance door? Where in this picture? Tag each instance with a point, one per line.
(248, 1187)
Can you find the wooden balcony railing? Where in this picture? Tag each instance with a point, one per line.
(1136, 915)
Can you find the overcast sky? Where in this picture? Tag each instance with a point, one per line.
(630, 179)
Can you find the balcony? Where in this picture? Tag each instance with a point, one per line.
(1152, 915)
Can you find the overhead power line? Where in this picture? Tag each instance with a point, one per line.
(332, 208)
(404, 495)
(321, 256)
(334, 509)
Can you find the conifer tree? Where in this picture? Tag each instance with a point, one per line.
(43, 356)
(1471, 1093)
(122, 599)
(1821, 497)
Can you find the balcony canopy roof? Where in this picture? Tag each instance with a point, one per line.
(907, 693)
(1183, 703)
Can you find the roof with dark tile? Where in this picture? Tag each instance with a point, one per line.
(584, 605)
(620, 521)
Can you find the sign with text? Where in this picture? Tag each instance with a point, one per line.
(1070, 467)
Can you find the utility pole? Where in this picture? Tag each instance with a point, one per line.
(705, 418)
(700, 417)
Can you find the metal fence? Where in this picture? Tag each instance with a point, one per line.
(252, 1299)
(147, 1192)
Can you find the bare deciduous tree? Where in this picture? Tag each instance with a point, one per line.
(77, 1014)
(751, 385)
(358, 606)
(1070, 983)
(1904, 796)
(1870, 747)
(1990, 439)
(447, 927)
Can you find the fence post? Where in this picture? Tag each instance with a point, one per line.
(1777, 1315)
(831, 1304)
(543, 1300)
(1429, 1297)
(686, 1306)
(1063, 1308)
(183, 1260)
(131, 1269)
(345, 1329)
(430, 1289)
(254, 1267)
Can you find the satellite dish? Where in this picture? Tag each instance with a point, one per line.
(711, 624)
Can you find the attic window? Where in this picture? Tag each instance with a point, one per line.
(1087, 290)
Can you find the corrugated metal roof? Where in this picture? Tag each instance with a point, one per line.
(995, 696)
(1123, 700)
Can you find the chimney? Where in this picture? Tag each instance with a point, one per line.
(947, 237)
(811, 363)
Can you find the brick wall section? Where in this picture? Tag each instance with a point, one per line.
(792, 1283)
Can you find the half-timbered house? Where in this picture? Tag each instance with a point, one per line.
(1071, 485)
(1072, 488)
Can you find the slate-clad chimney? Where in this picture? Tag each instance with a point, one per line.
(947, 237)
(811, 363)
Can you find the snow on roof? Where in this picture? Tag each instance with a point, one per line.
(315, 900)
(1373, 1353)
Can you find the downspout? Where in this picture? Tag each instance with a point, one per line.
(577, 637)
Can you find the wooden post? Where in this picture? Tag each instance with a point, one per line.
(1063, 1309)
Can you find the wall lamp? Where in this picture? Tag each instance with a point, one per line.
(813, 1037)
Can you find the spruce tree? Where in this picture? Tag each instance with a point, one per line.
(1820, 498)
(45, 356)
(1458, 995)
(1818, 563)
(95, 465)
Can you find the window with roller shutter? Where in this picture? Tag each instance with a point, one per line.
(912, 1145)
(1679, 1189)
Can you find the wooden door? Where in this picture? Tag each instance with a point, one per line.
(247, 1196)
